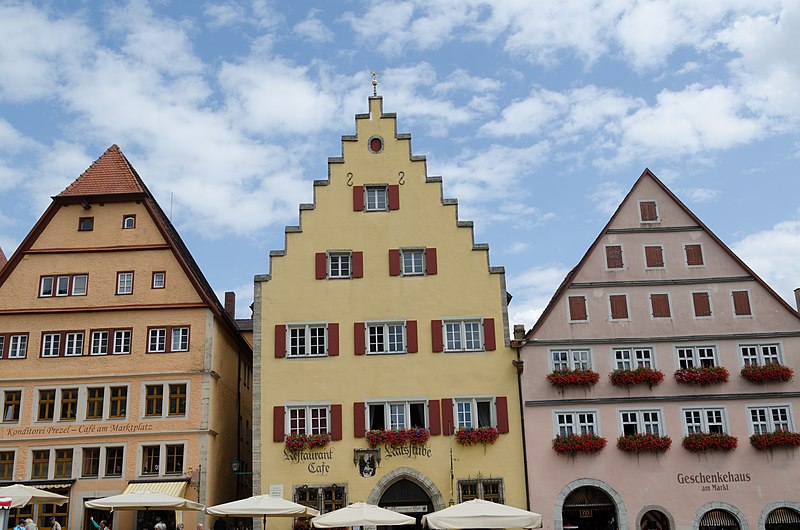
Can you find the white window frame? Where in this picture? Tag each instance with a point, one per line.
(472, 403)
(700, 353)
(645, 421)
(82, 292)
(179, 336)
(17, 346)
(159, 280)
(412, 253)
(633, 357)
(379, 191)
(760, 357)
(686, 258)
(157, 340)
(705, 417)
(61, 285)
(461, 346)
(308, 409)
(73, 343)
(627, 308)
(97, 342)
(398, 404)
(125, 342)
(566, 422)
(125, 282)
(386, 334)
(50, 282)
(340, 258)
(663, 256)
(605, 258)
(51, 345)
(162, 458)
(570, 359)
(639, 211)
(126, 225)
(306, 327)
(770, 422)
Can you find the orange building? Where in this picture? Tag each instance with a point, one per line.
(119, 368)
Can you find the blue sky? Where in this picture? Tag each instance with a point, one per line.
(538, 115)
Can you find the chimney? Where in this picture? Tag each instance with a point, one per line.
(519, 331)
(230, 303)
(797, 298)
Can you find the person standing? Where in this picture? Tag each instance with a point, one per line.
(54, 524)
(20, 525)
(102, 526)
(30, 525)
(159, 524)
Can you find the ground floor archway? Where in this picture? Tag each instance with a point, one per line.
(589, 508)
(654, 520)
(408, 491)
(783, 518)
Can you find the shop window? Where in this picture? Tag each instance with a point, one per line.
(486, 489)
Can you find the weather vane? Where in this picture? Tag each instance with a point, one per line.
(374, 83)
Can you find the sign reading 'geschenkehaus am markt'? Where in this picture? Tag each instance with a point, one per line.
(713, 481)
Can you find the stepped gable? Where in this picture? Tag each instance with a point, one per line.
(111, 174)
(648, 175)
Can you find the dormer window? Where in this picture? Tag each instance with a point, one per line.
(85, 224)
(129, 221)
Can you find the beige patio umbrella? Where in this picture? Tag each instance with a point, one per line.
(22, 495)
(262, 506)
(144, 500)
(361, 514)
(478, 513)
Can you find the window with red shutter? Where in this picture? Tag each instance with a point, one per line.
(702, 304)
(336, 422)
(280, 341)
(359, 419)
(431, 266)
(359, 345)
(619, 306)
(654, 256)
(321, 265)
(694, 255)
(648, 211)
(437, 341)
(614, 257)
(358, 264)
(447, 416)
(434, 420)
(411, 336)
(659, 304)
(501, 404)
(394, 197)
(333, 339)
(394, 262)
(741, 303)
(577, 309)
(278, 428)
(488, 335)
(358, 198)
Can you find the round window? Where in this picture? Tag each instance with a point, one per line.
(375, 144)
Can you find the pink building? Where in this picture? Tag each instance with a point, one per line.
(664, 346)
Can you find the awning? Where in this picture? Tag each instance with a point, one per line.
(718, 518)
(783, 516)
(53, 486)
(588, 497)
(170, 488)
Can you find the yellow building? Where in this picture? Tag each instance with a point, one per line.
(381, 323)
(119, 368)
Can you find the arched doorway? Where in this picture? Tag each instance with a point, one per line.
(589, 508)
(719, 520)
(783, 519)
(654, 520)
(409, 498)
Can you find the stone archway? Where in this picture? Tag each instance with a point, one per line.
(722, 506)
(765, 513)
(646, 515)
(622, 513)
(412, 475)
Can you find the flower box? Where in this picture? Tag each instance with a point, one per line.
(702, 375)
(301, 524)
(775, 439)
(767, 373)
(700, 442)
(294, 443)
(398, 437)
(643, 443)
(481, 435)
(578, 443)
(639, 376)
(564, 378)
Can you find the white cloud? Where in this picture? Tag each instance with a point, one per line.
(774, 255)
(313, 29)
(529, 116)
(532, 290)
(517, 247)
(607, 197)
(701, 194)
(224, 14)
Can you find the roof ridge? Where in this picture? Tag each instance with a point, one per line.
(109, 174)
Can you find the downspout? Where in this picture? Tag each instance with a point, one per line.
(519, 364)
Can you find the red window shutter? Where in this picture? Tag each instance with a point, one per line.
(333, 339)
(359, 346)
(619, 306)
(321, 265)
(431, 266)
(358, 264)
(694, 255)
(702, 304)
(278, 414)
(434, 420)
(648, 211)
(577, 308)
(394, 197)
(336, 422)
(488, 335)
(411, 336)
(359, 409)
(437, 343)
(280, 341)
(501, 402)
(358, 198)
(741, 303)
(654, 256)
(659, 303)
(394, 262)
(447, 416)
(614, 257)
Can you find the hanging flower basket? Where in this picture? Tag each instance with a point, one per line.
(481, 435)
(398, 437)
(294, 443)
(767, 373)
(564, 378)
(644, 443)
(578, 443)
(700, 442)
(317, 441)
(640, 376)
(775, 439)
(702, 375)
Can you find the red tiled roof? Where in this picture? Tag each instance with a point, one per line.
(108, 175)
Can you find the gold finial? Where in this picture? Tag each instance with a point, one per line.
(374, 83)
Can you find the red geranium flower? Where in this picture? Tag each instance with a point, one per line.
(562, 378)
(767, 373)
(578, 443)
(779, 438)
(703, 441)
(641, 443)
(641, 375)
(480, 435)
(702, 375)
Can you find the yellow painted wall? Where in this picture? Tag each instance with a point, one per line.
(464, 287)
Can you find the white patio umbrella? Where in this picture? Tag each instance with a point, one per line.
(22, 495)
(361, 514)
(482, 514)
(144, 500)
(262, 506)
